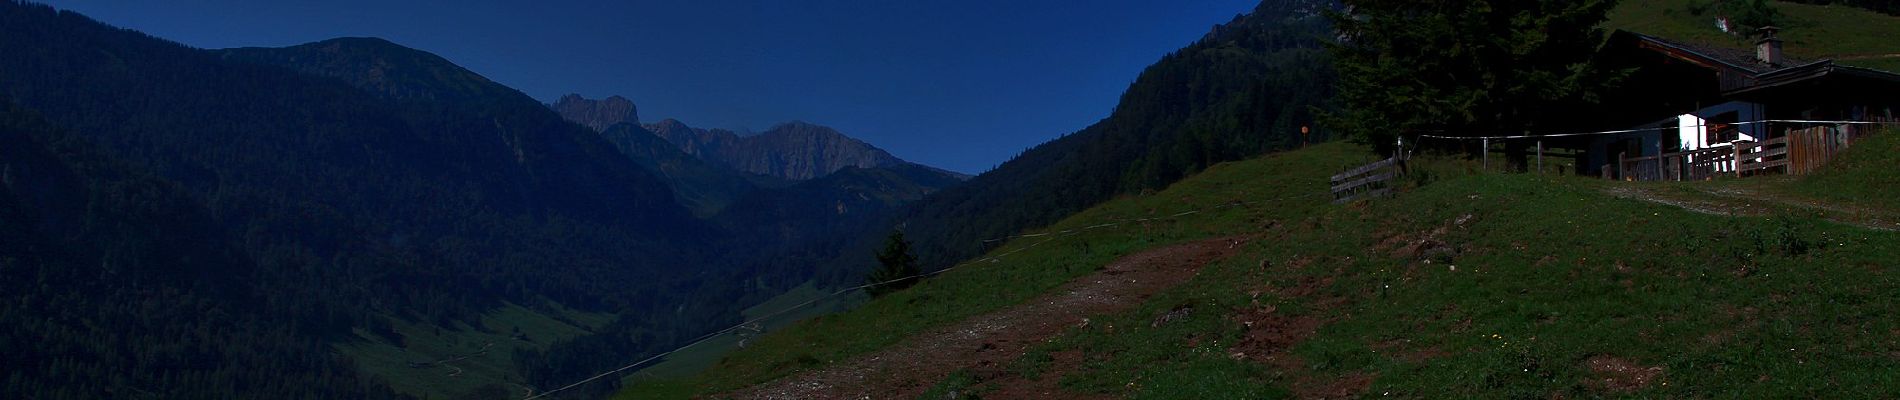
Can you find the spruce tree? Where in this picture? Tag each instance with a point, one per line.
(1465, 67)
(897, 267)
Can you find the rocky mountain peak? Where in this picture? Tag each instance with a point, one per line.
(597, 114)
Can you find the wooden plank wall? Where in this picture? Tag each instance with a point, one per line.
(1810, 149)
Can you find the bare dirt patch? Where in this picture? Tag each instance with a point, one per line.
(1046, 386)
(985, 342)
(1272, 334)
(1619, 375)
(1427, 245)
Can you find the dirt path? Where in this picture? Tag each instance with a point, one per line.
(1740, 201)
(987, 343)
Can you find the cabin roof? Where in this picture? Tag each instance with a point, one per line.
(1739, 60)
(1751, 75)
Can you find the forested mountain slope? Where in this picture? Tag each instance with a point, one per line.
(321, 191)
(119, 284)
(1244, 89)
(792, 231)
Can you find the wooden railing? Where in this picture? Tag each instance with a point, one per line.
(1366, 181)
(1739, 158)
(1704, 164)
(1641, 168)
(1752, 156)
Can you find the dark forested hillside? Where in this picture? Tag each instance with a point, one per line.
(381, 67)
(791, 230)
(283, 200)
(1244, 89)
(117, 284)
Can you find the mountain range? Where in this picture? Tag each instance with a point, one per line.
(279, 201)
(337, 219)
(794, 150)
(710, 169)
(346, 183)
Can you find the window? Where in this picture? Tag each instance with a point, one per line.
(1723, 128)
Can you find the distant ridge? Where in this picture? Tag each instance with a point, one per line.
(794, 150)
(597, 114)
(381, 67)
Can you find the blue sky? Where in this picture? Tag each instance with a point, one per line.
(962, 85)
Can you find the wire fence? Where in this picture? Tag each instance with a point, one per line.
(1652, 153)
(1877, 121)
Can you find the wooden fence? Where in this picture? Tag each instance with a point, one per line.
(1704, 164)
(1797, 152)
(1811, 148)
(1367, 181)
(1751, 157)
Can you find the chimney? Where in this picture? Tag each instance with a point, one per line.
(1768, 49)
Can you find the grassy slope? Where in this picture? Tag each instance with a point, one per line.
(425, 343)
(1042, 264)
(1709, 298)
(1551, 272)
(1815, 32)
(696, 359)
(1864, 175)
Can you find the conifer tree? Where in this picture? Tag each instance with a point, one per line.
(897, 267)
(1464, 67)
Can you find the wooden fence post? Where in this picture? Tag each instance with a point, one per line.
(1659, 158)
(1737, 148)
(1622, 166)
(1401, 143)
(1485, 156)
(1540, 157)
